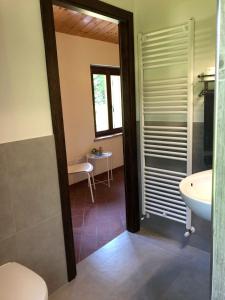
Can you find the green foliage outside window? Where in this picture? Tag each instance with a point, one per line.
(99, 89)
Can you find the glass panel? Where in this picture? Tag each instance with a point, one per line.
(116, 101)
(101, 102)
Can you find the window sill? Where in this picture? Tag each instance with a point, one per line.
(107, 137)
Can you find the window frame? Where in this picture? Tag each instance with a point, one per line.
(108, 71)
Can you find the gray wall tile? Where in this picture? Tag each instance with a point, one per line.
(6, 209)
(198, 163)
(42, 249)
(33, 180)
(8, 250)
(30, 211)
(201, 239)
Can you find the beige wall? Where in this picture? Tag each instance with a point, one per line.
(153, 15)
(75, 55)
(23, 90)
(30, 210)
(124, 4)
(23, 82)
(24, 101)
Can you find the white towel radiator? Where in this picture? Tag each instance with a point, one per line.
(166, 91)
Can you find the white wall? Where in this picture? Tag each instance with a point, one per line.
(156, 14)
(24, 100)
(75, 55)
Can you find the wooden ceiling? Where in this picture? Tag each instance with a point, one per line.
(76, 23)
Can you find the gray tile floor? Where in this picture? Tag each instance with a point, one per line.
(141, 267)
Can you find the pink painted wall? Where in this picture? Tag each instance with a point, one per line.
(75, 55)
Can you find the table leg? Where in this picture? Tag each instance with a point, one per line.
(108, 172)
(87, 162)
(90, 186)
(93, 178)
(111, 168)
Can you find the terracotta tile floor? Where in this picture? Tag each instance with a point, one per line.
(96, 224)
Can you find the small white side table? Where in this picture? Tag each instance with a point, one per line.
(105, 155)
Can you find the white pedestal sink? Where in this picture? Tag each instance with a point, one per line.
(196, 191)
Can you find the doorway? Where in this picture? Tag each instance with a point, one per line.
(89, 72)
(126, 46)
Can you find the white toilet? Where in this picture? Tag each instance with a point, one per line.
(19, 283)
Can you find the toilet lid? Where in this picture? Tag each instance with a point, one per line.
(19, 283)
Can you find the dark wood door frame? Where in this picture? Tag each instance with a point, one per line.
(126, 38)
